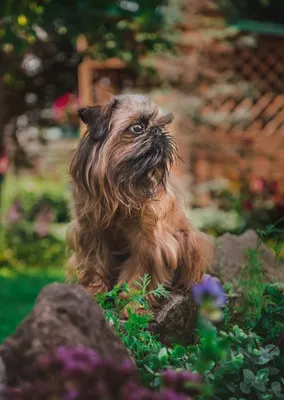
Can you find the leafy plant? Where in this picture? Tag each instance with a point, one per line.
(234, 363)
(34, 224)
(32, 202)
(29, 248)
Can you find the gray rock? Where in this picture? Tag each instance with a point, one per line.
(231, 258)
(176, 321)
(63, 315)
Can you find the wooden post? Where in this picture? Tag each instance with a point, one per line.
(85, 82)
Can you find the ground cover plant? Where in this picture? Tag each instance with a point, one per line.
(237, 354)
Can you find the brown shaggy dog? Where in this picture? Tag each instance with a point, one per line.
(127, 218)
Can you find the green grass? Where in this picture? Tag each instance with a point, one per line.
(18, 291)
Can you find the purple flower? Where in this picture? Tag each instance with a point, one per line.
(71, 394)
(80, 373)
(126, 368)
(170, 376)
(168, 394)
(182, 382)
(209, 291)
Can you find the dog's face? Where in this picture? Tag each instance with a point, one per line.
(127, 147)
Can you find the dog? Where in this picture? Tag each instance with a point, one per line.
(128, 219)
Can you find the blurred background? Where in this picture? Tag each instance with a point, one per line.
(217, 64)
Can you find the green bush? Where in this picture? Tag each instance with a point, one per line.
(33, 250)
(33, 202)
(35, 221)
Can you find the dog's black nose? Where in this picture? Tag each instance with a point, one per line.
(156, 131)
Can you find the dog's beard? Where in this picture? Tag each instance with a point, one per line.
(145, 167)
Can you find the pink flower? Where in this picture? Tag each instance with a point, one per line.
(14, 214)
(64, 105)
(257, 185)
(4, 162)
(43, 220)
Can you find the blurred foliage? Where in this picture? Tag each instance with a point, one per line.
(33, 202)
(36, 214)
(239, 205)
(125, 28)
(31, 188)
(39, 59)
(31, 249)
(258, 10)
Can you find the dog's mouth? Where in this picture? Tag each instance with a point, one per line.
(152, 168)
(146, 168)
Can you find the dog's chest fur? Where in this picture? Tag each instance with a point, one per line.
(118, 244)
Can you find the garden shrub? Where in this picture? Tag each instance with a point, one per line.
(32, 224)
(32, 202)
(34, 250)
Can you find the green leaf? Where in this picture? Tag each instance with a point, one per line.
(179, 351)
(260, 386)
(262, 374)
(244, 388)
(231, 387)
(262, 360)
(149, 358)
(149, 369)
(275, 352)
(273, 371)
(163, 354)
(248, 375)
(276, 387)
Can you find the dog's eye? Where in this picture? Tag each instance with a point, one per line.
(138, 128)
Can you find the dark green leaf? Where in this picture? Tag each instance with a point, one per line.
(244, 388)
(248, 375)
(179, 351)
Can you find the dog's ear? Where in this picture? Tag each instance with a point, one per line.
(97, 118)
(96, 121)
(86, 114)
